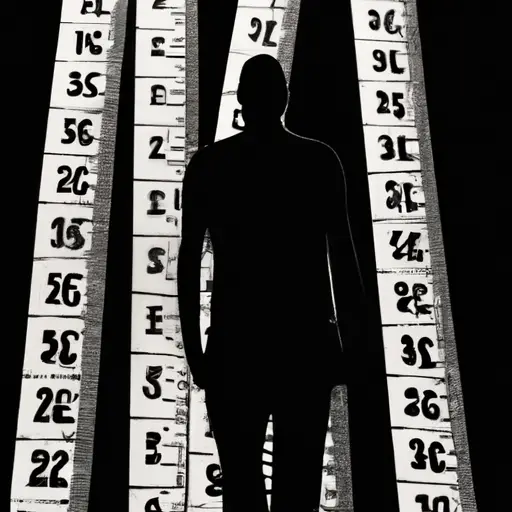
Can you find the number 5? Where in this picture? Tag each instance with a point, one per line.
(399, 111)
(84, 137)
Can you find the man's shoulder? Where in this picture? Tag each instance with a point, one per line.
(217, 148)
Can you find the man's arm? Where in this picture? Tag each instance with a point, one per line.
(193, 228)
(348, 287)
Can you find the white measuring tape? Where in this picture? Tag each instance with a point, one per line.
(52, 368)
(425, 459)
(169, 432)
(159, 376)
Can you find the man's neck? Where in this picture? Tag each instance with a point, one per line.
(264, 127)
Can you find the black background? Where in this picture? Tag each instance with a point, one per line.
(463, 76)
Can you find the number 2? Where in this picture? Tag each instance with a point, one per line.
(63, 398)
(42, 457)
(68, 298)
(70, 183)
(155, 143)
(383, 108)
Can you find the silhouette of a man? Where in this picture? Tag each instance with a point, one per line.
(272, 202)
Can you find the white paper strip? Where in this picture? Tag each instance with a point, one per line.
(50, 391)
(418, 396)
(159, 387)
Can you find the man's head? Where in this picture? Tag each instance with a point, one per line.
(262, 90)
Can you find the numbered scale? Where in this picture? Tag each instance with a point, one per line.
(50, 392)
(159, 387)
(425, 460)
(173, 460)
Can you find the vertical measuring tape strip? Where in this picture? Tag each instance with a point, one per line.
(409, 257)
(440, 279)
(159, 376)
(97, 265)
(62, 337)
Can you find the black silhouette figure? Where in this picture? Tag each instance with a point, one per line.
(272, 202)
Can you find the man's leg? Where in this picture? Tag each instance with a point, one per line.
(239, 422)
(300, 420)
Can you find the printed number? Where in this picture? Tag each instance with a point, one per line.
(157, 49)
(412, 252)
(420, 459)
(429, 410)
(395, 193)
(154, 319)
(257, 24)
(93, 7)
(383, 108)
(155, 266)
(388, 145)
(177, 197)
(42, 457)
(153, 373)
(72, 233)
(418, 290)
(86, 40)
(152, 441)
(410, 356)
(63, 398)
(158, 95)
(155, 143)
(155, 196)
(153, 505)
(159, 4)
(70, 183)
(69, 293)
(65, 357)
(84, 137)
(439, 503)
(76, 80)
(214, 475)
(382, 60)
(376, 22)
